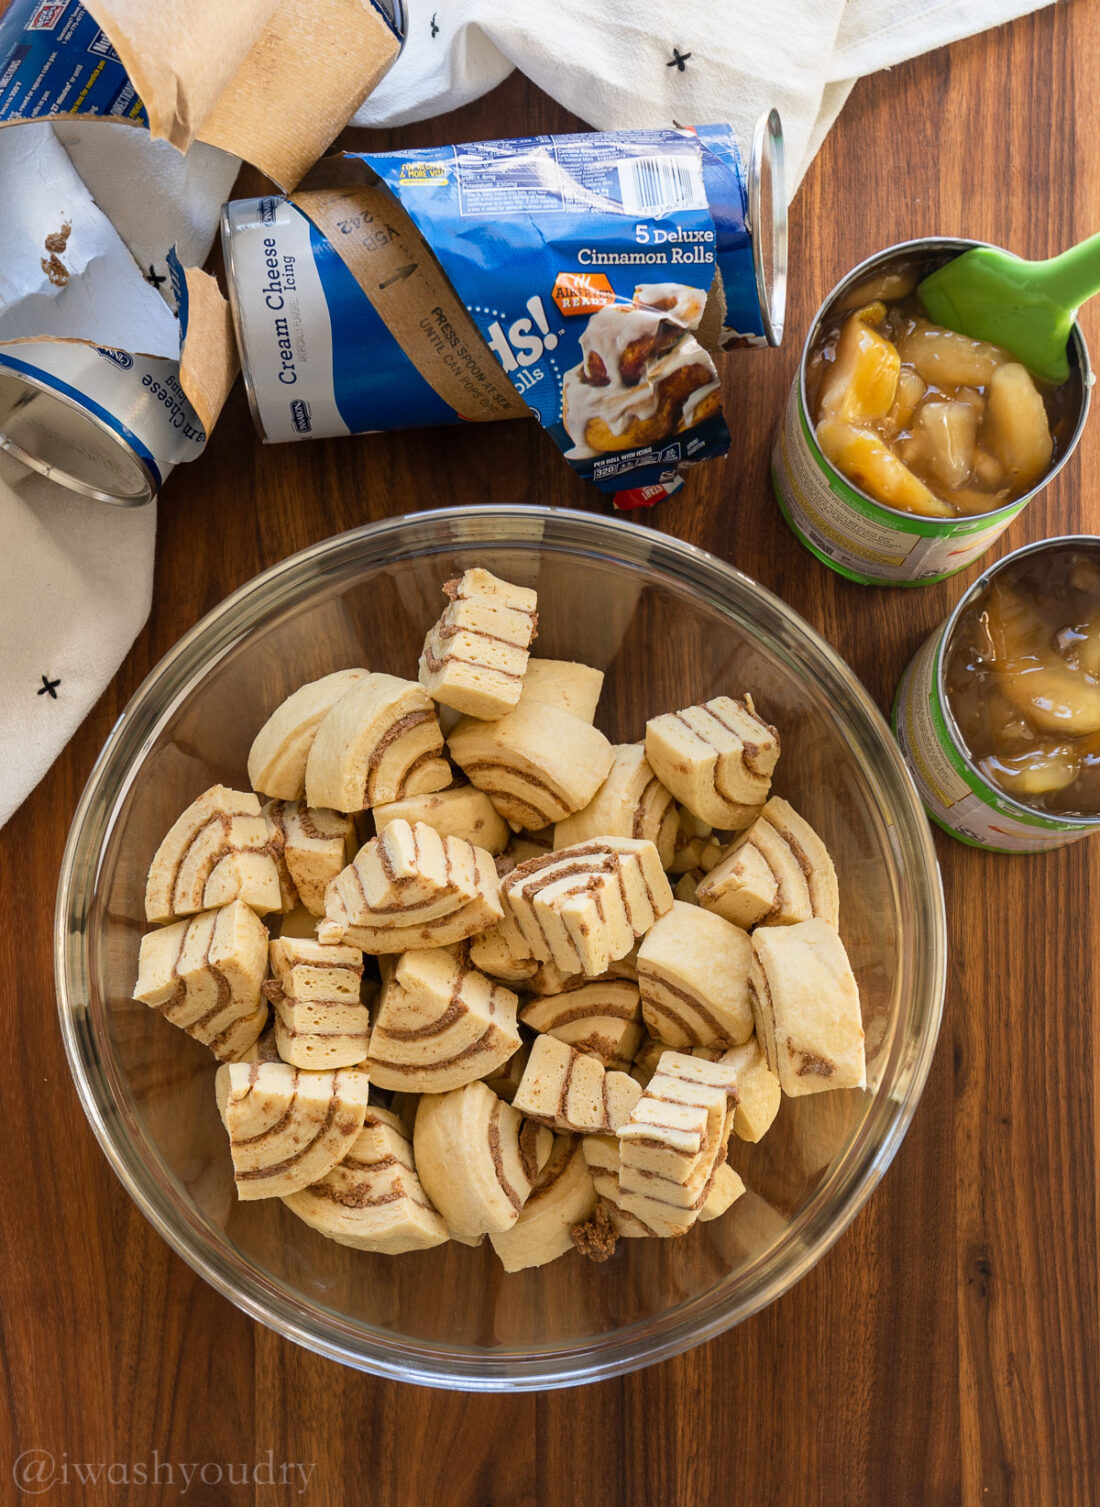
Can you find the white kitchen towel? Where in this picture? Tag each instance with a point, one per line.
(76, 576)
(624, 63)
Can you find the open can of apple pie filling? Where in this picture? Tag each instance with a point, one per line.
(998, 713)
(929, 444)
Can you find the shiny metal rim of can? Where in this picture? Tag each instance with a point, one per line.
(59, 474)
(946, 633)
(927, 244)
(767, 192)
(228, 232)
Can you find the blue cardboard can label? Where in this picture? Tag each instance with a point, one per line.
(601, 270)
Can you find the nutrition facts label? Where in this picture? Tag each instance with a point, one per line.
(547, 174)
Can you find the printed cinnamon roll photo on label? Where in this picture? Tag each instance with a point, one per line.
(589, 280)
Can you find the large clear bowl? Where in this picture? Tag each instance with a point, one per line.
(670, 625)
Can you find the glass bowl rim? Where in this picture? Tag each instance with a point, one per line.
(626, 1348)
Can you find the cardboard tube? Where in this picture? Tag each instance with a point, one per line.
(395, 267)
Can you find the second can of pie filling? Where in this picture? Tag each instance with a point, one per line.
(998, 713)
(905, 449)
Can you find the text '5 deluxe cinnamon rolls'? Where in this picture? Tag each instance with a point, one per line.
(452, 989)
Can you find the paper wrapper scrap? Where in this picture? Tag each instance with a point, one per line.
(272, 81)
(90, 353)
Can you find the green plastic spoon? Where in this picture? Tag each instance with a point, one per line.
(1026, 307)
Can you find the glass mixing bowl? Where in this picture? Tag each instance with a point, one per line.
(670, 625)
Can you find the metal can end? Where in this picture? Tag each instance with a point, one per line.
(69, 443)
(767, 215)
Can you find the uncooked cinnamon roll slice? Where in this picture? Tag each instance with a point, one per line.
(277, 759)
(205, 976)
(726, 1187)
(571, 1091)
(440, 1024)
(582, 907)
(564, 683)
(286, 1127)
(272, 813)
(380, 742)
(693, 972)
(537, 764)
(562, 1198)
(599, 1016)
(756, 1090)
(477, 1158)
(462, 811)
(502, 953)
(806, 1003)
(673, 1143)
(717, 758)
(631, 802)
(373, 1199)
(316, 843)
(410, 889)
(215, 852)
(320, 1020)
(777, 873)
(475, 656)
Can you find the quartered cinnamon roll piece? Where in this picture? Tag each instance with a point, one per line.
(631, 802)
(755, 1088)
(320, 1019)
(380, 742)
(717, 758)
(475, 656)
(411, 889)
(673, 1144)
(537, 764)
(439, 1024)
(806, 1003)
(477, 1158)
(582, 907)
(776, 873)
(563, 1197)
(286, 1127)
(217, 851)
(277, 759)
(373, 1200)
(693, 972)
(572, 1091)
(314, 844)
(563, 683)
(461, 811)
(205, 975)
(599, 1016)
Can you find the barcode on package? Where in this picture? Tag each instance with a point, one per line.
(652, 185)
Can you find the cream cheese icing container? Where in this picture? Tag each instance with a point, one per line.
(105, 423)
(849, 530)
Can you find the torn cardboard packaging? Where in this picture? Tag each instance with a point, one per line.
(272, 81)
(101, 390)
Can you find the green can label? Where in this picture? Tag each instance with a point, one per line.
(954, 794)
(857, 537)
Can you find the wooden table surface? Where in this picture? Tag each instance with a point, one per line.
(946, 1349)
